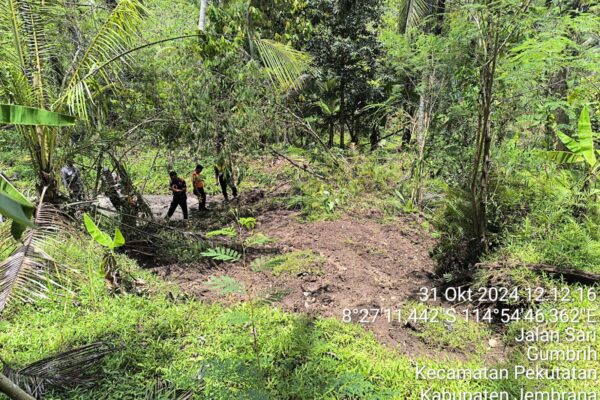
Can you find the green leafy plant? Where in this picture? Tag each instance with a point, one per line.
(103, 238)
(257, 239)
(109, 262)
(26, 61)
(15, 206)
(222, 254)
(581, 149)
(229, 232)
(248, 223)
(225, 285)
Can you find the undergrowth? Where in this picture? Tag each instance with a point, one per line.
(536, 215)
(191, 345)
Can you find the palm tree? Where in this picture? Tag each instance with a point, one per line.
(30, 74)
(329, 104)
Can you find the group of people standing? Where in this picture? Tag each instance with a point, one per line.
(71, 179)
(178, 187)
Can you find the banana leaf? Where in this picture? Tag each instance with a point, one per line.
(586, 138)
(100, 237)
(15, 206)
(562, 157)
(21, 115)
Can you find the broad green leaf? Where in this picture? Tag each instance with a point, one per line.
(562, 157)
(586, 139)
(9, 190)
(17, 229)
(569, 142)
(15, 206)
(119, 239)
(21, 115)
(95, 232)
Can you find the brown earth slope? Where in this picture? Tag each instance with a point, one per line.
(354, 263)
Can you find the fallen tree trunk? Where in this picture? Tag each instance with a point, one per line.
(569, 275)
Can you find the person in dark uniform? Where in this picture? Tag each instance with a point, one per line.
(179, 189)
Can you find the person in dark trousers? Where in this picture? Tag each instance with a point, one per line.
(198, 182)
(224, 178)
(179, 189)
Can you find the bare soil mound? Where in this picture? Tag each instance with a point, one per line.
(354, 263)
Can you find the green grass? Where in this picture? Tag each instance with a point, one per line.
(163, 334)
(361, 183)
(449, 332)
(293, 263)
(298, 357)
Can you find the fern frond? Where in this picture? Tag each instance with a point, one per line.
(284, 64)
(258, 239)
(229, 232)
(222, 254)
(225, 285)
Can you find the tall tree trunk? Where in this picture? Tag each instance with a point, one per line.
(331, 133)
(13, 392)
(342, 112)
(481, 162)
(422, 128)
(374, 137)
(202, 18)
(354, 131)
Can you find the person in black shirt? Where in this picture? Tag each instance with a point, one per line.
(179, 189)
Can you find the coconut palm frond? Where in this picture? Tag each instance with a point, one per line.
(28, 272)
(77, 367)
(26, 21)
(113, 38)
(11, 21)
(285, 65)
(411, 13)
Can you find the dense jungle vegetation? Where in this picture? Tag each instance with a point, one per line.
(378, 147)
